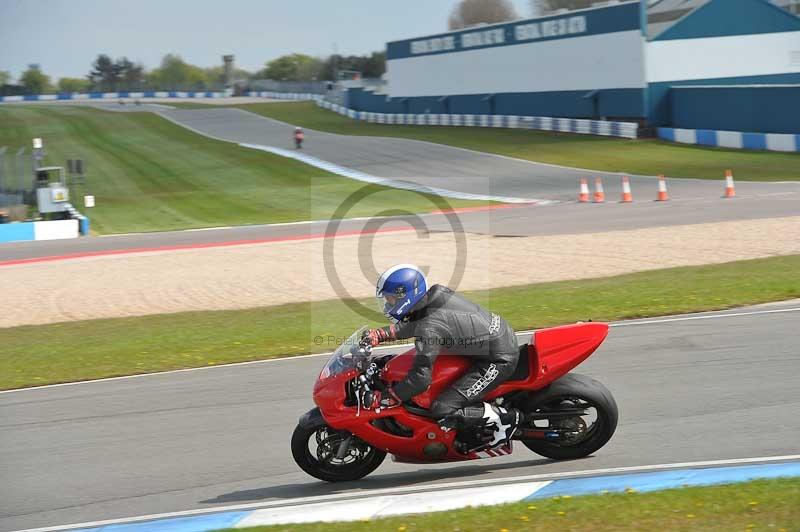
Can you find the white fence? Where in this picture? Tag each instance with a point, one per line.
(629, 130)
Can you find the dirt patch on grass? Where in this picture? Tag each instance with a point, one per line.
(282, 272)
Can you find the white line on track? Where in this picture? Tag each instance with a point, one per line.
(703, 317)
(389, 347)
(428, 488)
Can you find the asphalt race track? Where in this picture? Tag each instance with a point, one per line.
(688, 390)
(566, 218)
(692, 201)
(429, 164)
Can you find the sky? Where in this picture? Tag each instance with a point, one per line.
(65, 36)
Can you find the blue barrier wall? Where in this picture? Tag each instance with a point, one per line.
(569, 104)
(732, 139)
(112, 95)
(661, 112)
(16, 231)
(766, 109)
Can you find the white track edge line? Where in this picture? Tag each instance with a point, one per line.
(424, 488)
(702, 317)
(388, 347)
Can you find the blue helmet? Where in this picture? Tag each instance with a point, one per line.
(399, 289)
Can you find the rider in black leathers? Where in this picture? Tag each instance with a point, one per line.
(444, 319)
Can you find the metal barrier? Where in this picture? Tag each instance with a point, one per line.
(629, 130)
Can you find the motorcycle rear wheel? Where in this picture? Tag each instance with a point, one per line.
(575, 391)
(321, 462)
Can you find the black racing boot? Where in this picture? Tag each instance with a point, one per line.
(503, 421)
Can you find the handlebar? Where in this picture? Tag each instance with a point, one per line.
(367, 383)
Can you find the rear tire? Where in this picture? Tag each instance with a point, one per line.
(363, 458)
(570, 388)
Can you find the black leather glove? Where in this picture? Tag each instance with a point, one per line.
(374, 337)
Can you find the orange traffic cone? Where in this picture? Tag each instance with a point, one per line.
(662, 189)
(627, 196)
(599, 193)
(730, 189)
(583, 196)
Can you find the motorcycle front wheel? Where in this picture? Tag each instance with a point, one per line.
(580, 435)
(315, 448)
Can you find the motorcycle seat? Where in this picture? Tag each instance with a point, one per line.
(523, 369)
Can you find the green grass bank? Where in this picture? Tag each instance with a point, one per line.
(766, 505)
(148, 174)
(74, 351)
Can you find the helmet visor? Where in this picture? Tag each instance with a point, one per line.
(386, 302)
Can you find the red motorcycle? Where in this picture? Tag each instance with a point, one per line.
(568, 415)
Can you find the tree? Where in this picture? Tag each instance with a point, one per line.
(294, 67)
(176, 74)
(545, 7)
(374, 65)
(370, 66)
(104, 75)
(130, 74)
(471, 12)
(110, 75)
(215, 75)
(35, 81)
(5, 77)
(73, 85)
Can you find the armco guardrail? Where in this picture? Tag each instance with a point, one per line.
(786, 142)
(112, 95)
(629, 130)
(285, 95)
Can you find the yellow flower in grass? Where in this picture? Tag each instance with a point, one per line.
(523, 518)
(689, 516)
(531, 507)
(753, 503)
(401, 528)
(562, 513)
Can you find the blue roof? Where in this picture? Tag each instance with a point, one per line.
(724, 18)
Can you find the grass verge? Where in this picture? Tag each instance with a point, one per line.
(73, 351)
(645, 156)
(149, 174)
(757, 505)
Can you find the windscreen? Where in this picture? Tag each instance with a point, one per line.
(343, 358)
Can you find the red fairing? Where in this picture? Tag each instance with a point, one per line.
(446, 370)
(553, 354)
(560, 349)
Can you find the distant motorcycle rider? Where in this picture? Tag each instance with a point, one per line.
(299, 136)
(437, 317)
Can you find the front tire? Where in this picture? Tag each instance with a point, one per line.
(575, 391)
(314, 449)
